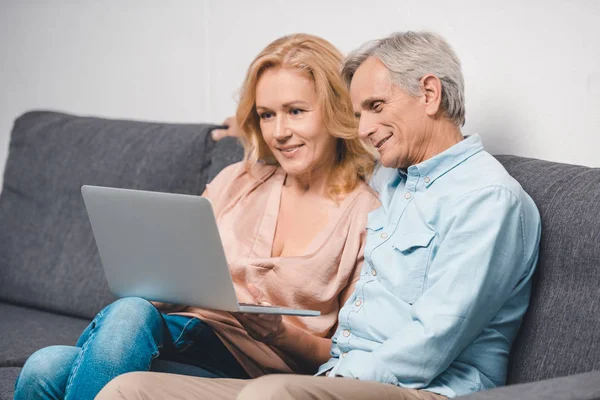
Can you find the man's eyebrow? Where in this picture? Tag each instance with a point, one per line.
(367, 102)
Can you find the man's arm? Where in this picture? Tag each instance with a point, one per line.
(487, 256)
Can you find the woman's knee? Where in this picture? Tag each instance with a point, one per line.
(128, 332)
(130, 313)
(132, 307)
(50, 361)
(46, 372)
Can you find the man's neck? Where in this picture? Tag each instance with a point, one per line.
(444, 134)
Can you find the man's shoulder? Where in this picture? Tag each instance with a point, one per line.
(381, 177)
(483, 174)
(483, 171)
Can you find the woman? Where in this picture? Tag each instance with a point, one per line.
(292, 217)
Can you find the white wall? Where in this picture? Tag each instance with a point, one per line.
(531, 68)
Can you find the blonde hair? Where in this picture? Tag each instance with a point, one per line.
(320, 61)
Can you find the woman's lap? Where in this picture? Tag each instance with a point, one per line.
(196, 345)
(128, 335)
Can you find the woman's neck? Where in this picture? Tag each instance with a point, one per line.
(315, 182)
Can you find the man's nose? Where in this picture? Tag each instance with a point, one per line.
(366, 127)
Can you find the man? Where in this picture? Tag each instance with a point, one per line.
(449, 255)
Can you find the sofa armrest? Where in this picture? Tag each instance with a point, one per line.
(584, 386)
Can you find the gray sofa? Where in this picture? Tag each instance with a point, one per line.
(52, 284)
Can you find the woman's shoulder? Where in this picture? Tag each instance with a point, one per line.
(236, 181)
(364, 197)
(239, 173)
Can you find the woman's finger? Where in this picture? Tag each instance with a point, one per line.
(250, 320)
(260, 326)
(269, 317)
(255, 319)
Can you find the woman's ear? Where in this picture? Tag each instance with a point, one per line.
(432, 93)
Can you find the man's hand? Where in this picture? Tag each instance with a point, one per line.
(232, 130)
(266, 328)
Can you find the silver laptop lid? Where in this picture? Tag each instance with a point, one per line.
(151, 246)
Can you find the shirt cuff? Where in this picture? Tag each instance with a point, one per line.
(328, 366)
(362, 365)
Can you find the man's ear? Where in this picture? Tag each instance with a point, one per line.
(432, 93)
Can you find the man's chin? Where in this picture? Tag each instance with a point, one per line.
(386, 162)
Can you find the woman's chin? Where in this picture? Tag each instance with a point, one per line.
(294, 170)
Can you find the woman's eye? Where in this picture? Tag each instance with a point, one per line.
(296, 111)
(266, 115)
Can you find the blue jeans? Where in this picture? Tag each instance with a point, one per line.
(128, 335)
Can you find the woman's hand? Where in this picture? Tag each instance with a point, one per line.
(312, 350)
(266, 328)
(232, 130)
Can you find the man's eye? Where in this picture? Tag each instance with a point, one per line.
(266, 115)
(377, 106)
(357, 115)
(296, 111)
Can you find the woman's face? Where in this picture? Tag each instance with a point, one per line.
(291, 122)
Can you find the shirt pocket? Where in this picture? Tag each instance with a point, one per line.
(412, 255)
(375, 220)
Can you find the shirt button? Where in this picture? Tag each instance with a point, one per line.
(357, 303)
(384, 235)
(407, 195)
(344, 354)
(346, 333)
(427, 180)
(373, 272)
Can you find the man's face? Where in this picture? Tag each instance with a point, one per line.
(394, 122)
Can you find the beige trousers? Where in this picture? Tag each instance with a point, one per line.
(158, 386)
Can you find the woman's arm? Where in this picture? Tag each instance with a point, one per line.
(313, 350)
(271, 329)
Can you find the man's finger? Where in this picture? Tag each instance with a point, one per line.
(218, 134)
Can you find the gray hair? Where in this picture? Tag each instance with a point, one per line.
(409, 56)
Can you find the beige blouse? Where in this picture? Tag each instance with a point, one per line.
(246, 207)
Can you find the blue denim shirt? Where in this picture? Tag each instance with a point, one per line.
(447, 276)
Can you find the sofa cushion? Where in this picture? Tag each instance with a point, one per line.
(48, 257)
(225, 152)
(8, 377)
(25, 330)
(561, 330)
(584, 386)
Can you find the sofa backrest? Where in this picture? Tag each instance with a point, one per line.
(560, 334)
(48, 256)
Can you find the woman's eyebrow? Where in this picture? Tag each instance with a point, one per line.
(295, 103)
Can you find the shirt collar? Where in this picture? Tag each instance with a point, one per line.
(438, 165)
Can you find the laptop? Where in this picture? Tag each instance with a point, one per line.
(165, 247)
